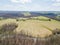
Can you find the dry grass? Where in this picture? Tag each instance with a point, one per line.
(34, 28)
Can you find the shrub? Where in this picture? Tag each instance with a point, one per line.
(17, 19)
(56, 31)
(49, 19)
(20, 19)
(8, 27)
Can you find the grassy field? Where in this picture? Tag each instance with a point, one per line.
(36, 26)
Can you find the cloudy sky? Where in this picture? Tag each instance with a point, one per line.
(30, 5)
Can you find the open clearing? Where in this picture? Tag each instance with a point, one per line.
(34, 28)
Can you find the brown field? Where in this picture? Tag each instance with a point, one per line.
(29, 31)
(34, 28)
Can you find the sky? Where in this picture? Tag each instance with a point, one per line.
(30, 5)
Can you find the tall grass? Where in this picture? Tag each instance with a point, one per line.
(22, 40)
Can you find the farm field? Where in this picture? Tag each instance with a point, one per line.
(34, 27)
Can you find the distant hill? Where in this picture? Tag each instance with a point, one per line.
(16, 14)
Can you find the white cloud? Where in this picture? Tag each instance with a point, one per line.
(14, 1)
(21, 1)
(57, 0)
(14, 7)
(28, 8)
(56, 4)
